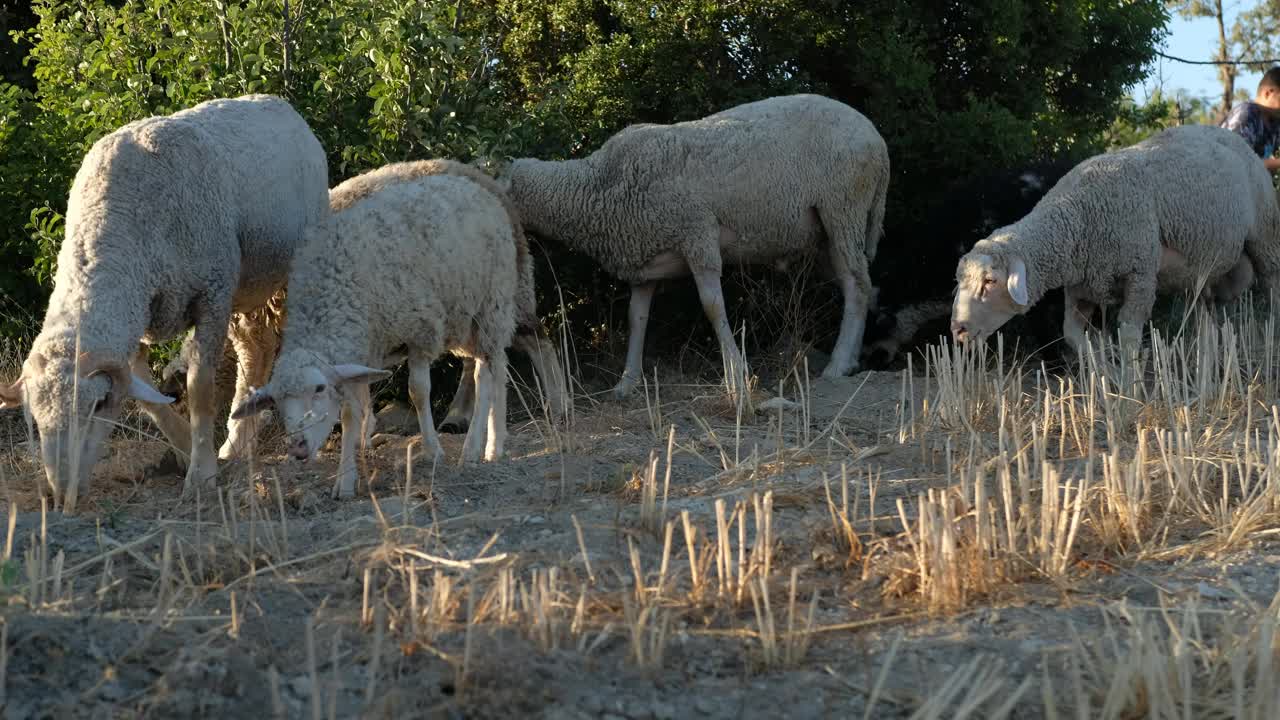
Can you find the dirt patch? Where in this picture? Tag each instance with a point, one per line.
(547, 584)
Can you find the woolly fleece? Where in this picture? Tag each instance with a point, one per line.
(172, 221)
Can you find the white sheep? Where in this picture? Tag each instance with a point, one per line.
(1189, 206)
(756, 183)
(529, 338)
(263, 327)
(427, 264)
(172, 221)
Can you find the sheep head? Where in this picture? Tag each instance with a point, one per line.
(990, 289)
(75, 403)
(307, 395)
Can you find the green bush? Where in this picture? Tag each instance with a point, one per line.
(955, 88)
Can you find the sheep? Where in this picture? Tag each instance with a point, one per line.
(1189, 203)
(425, 264)
(172, 222)
(530, 338)
(756, 183)
(967, 211)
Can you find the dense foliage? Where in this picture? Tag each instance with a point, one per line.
(956, 88)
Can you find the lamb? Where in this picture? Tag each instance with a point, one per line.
(172, 221)
(757, 183)
(1189, 204)
(425, 264)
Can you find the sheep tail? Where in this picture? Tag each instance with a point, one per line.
(875, 218)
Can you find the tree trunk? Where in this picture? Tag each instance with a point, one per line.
(1226, 73)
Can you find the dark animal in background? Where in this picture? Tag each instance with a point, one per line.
(910, 314)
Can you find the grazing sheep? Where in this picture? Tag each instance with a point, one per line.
(1188, 204)
(530, 337)
(919, 311)
(427, 264)
(172, 221)
(756, 183)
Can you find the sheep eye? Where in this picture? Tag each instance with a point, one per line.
(988, 282)
(320, 388)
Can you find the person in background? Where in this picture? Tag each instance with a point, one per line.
(1258, 122)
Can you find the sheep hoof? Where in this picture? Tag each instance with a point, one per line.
(472, 452)
(201, 476)
(454, 426)
(236, 450)
(833, 371)
(624, 388)
(432, 452)
(343, 490)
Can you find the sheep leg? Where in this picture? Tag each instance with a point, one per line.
(1264, 259)
(637, 321)
(847, 233)
(344, 486)
(1135, 311)
(368, 421)
(255, 351)
(173, 426)
(497, 417)
(420, 395)
(173, 377)
(847, 351)
(546, 364)
(1231, 286)
(206, 350)
(712, 298)
(1075, 322)
(458, 418)
(474, 445)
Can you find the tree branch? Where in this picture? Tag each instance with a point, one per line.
(286, 42)
(221, 7)
(1242, 61)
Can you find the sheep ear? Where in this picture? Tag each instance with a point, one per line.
(344, 374)
(11, 394)
(142, 390)
(1018, 281)
(257, 401)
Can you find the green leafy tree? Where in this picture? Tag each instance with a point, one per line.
(955, 88)
(14, 17)
(1255, 34)
(1137, 121)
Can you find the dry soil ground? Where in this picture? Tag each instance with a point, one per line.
(574, 580)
